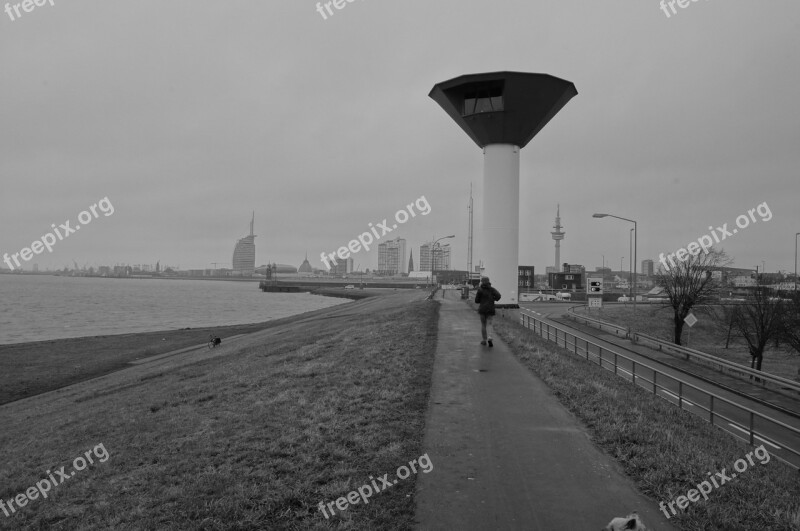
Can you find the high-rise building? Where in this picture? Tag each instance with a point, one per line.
(431, 258)
(342, 267)
(392, 257)
(244, 253)
(411, 261)
(647, 268)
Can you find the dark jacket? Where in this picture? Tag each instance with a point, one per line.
(485, 296)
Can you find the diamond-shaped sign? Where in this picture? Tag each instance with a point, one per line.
(690, 320)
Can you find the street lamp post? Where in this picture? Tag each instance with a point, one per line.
(433, 249)
(361, 278)
(630, 253)
(635, 246)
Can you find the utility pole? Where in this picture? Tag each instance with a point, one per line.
(469, 237)
(630, 269)
(635, 247)
(604, 270)
(795, 262)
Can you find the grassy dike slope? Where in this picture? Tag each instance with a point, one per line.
(35, 367)
(248, 436)
(665, 450)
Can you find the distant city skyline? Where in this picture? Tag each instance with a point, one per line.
(245, 256)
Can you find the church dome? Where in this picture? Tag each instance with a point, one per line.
(305, 267)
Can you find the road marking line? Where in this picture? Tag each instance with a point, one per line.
(754, 436)
(676, 397)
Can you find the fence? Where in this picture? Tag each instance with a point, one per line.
(777, 383)
(712, 407)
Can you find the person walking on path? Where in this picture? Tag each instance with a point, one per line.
(485, 298)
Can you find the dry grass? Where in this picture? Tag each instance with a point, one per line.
(40, 366)
(665, 450)
(252, 440)
(705, 336)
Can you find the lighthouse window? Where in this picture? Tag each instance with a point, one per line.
(483, 99)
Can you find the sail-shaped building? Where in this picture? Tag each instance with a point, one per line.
(244, 253)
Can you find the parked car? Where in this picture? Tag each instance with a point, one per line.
(349, 286)
(624, 298)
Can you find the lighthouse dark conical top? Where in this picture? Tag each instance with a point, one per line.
(502, 112)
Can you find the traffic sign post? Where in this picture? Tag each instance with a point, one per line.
(594, 292)
(689, 320)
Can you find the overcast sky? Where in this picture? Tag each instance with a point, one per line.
(188, 116)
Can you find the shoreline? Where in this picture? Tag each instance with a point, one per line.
(36, 367)
(307, 282)
(321, 292)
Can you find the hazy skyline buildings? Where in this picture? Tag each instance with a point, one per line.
(244, 253)
(647, 268)
(431, 258)
(392, 257)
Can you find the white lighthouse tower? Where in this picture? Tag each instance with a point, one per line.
(502, 112)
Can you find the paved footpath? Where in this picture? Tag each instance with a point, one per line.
(506, 454)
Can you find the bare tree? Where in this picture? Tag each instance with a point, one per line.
(689, 283)
(722, 316)
(790, 326)
(757, 321)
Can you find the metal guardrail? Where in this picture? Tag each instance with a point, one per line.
(618, 330)
(752, 376)
(685, 393)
